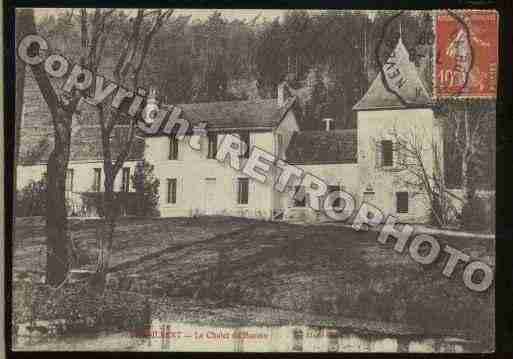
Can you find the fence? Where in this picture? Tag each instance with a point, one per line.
(90, 204)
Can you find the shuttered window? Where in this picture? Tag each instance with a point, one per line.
(300, 202)
(212, 145)
(97, 179)
(171, 190)
(69, 180)
(387, 153)
(244, 136)
(243, 191)
(333, 188)
(125, 180)
(402, 202)
(173, 148)
(279, 144)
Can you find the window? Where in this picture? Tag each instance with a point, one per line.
(171, 190)
(173, 148)
(244, 136)
(243, 191)
(300, 202)
(332, 188)
(69, 180)
(402, 202)
(125, 180)
(387, 153)
(212, 145)
(279, 144)
(97, 179)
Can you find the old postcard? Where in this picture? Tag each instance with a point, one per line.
(254, 180)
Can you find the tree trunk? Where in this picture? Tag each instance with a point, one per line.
(20, 86)
(465, 185)
(107, 235)
(23, 19)
(57, 249)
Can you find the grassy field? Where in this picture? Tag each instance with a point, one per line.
(321, 269)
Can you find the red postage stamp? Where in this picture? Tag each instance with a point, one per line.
(466, 54)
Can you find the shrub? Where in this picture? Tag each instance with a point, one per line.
(475, 216)
(31, 200)
(126, 203)
(146, 185)
(79, 309)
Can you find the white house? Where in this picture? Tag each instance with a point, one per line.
(396, 102)
(85, 168)
(362, 161)
(195, 183)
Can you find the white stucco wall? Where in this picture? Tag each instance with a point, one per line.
(342, 174)
(376, 126)
(83, 178)
(83, 175)
(286, 129)
(193, 168)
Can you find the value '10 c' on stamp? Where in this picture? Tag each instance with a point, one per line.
(466, 54)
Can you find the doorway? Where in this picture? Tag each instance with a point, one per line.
(210, 195)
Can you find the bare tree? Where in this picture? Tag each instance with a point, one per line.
(422, 174)
(22, 28)
(137, 41)
(62, 108)
(469, 121)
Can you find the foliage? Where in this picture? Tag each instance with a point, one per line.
(270, 65)
(480, 115)
(76, 309)
(315, 108)
(196, 62)
(146, 185)
(31, 200)
(125, 203)
(475, 216)
(414, 152)
(34, 154)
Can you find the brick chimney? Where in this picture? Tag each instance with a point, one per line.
(283, 93)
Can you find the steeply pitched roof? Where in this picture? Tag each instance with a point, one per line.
(252, 114)
(86, 145)
(319, 147)
(401, 87)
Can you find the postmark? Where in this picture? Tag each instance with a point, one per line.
(403, 48)
(466, 54)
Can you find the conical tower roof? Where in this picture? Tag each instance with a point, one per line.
(401, 86)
